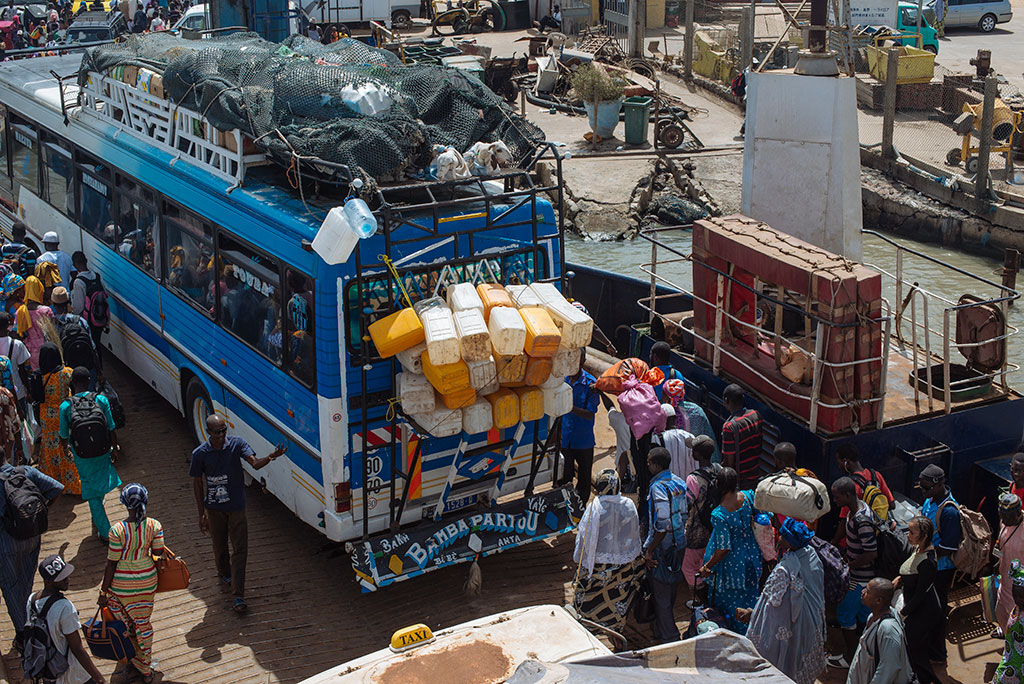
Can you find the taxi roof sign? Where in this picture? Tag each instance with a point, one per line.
(410, 637)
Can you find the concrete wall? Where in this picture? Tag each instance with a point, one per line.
(801, 159)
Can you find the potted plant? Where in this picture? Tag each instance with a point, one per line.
(602, 97)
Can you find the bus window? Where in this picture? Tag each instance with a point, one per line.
(95, 197)
(137, 224)
(25, 154)
(5, 177)
(58, 177)
(190, 257)
(250, 297)
(299, 323)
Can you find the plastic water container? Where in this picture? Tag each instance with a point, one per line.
(410, 358)
(553, 381)
(493, 295)
(360, 218)
(557, 400)
(446, 378)
(508, 331)
(440, 422)
(396, 332)
(547, 293)
(504, 408)
(464, 296)
(538, 369)
(531, 403)
(438, 331)
(415, 393)
(459, 399)
(477, 417)
(522, 296)
(565, 362)
(576, 327)
(511, 370)
(482, 373)
(336, 240)
(542, 336)
(474, 337)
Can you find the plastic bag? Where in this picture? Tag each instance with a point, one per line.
(640, 407)
(367, 99)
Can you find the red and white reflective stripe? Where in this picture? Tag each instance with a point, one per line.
(378, 438)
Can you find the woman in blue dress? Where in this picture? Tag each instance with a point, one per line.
(732, 559)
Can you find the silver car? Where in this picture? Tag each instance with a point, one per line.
(984, 14)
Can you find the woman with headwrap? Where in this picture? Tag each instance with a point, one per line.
(129, 583)
(1011, 668)
(1011, 545)
(922, 612)
(787, 626)
(32, 316)
(12, 289)
(689, 416)
(609, 554)
(54, 459)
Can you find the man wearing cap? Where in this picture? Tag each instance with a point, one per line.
(944, 511)
(54, 255)
(62, 622)
(19, 557)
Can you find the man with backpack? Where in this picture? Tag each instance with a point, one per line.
(89, 300)
(21, 368)
(54, 650)
(26, 497)
(76, 341)
(665, 546)
(702, 497)
(871, 486)
(861, 554)
(17, 253)
(881, 656)
(87, 428)
(944, 512)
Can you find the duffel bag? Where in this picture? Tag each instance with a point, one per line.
(108, 637)
(793, 496)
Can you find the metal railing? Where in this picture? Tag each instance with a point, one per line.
(915, 297)
(822, 329)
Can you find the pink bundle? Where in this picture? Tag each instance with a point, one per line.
(640, 407)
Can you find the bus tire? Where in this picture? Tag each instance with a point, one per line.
(198, 408)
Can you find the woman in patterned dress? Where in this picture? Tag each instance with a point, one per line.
(1009, 670)
(54, 459)
(732, 558)
(129, 584)
(609, 554)
(31, 318)
(787, 625)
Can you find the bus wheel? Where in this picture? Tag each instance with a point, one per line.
(198, 407)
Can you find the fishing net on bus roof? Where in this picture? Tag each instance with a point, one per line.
(346, 104)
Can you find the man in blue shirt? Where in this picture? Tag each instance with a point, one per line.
(218, 483)
(944, 512)
(19, 558)
(666, 541)
(578, 432)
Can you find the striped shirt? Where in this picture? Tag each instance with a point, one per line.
(861, 539)
(741, 444)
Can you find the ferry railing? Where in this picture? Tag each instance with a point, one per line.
(950, 309)
(823, 327)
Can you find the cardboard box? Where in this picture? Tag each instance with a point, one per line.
(248, 144)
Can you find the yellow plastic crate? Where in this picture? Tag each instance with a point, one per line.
(912, 66)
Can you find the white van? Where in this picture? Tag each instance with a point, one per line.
(195, 18)
(392, 13)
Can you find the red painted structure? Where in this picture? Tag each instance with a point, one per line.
(844, 295)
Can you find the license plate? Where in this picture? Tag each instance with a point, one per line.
(456, 504)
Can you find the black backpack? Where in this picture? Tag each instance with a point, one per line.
(40, 658)
(698, 522)
(27, 513)
(893, 548)
(76, 342)
(89, 434)
(97, 309)
(37, 386)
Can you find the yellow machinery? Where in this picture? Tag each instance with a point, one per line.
(1006, 126)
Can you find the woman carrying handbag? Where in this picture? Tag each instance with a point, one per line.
(130, 581)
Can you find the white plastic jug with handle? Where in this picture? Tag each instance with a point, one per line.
(336, 239)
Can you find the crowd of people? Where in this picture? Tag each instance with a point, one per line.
(765, 575)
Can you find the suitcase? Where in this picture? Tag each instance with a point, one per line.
(116, 408)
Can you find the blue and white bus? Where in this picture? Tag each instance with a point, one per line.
(220, 304)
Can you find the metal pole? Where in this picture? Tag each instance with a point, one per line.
(920, 10)
(753, 33)
(719, 297)
(819, 17)
(945, 357)
(883, 372)
(889, 114)
(1011, 264)
(985, 136)
(688, 42)
(746, 38)
(654, 271)
(819, 344)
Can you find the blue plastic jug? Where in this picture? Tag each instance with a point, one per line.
(360, 218)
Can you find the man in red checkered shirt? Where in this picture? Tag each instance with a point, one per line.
(741, 438)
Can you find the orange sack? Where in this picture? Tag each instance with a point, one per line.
(611, 380)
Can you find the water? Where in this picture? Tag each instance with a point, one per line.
(626, 258)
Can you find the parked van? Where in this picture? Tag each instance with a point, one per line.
(906, 23)
(195, 18)
(984, 14)
(392, 13)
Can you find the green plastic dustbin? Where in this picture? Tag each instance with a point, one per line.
(638, 113)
